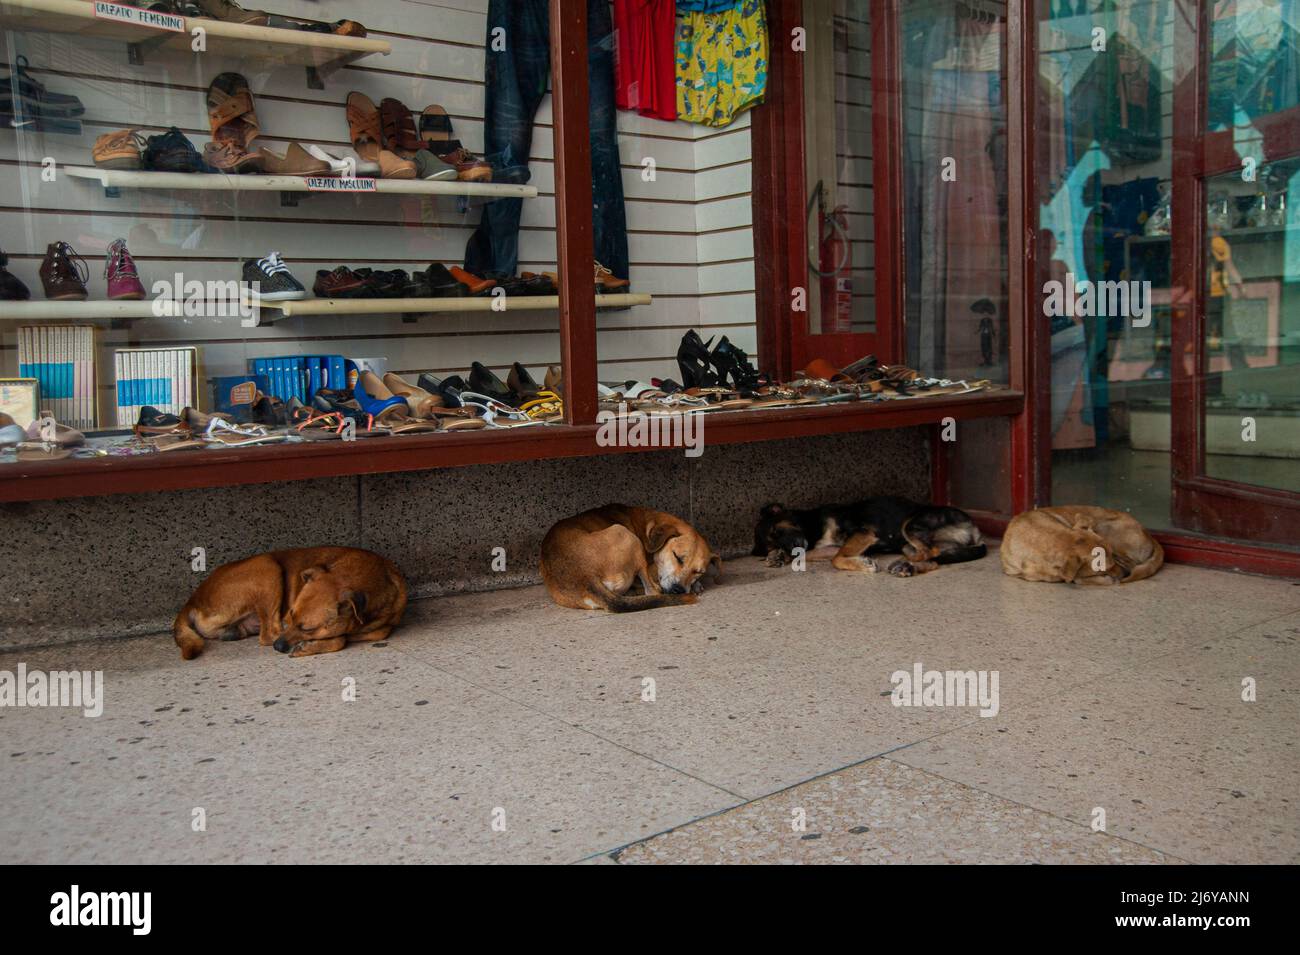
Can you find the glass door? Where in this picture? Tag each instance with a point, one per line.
(1235, 332)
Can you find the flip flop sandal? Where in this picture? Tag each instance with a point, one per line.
(412, 426)
(36, 451)
(231, 113)
(176, 442)
(366, 132)
(435, 127)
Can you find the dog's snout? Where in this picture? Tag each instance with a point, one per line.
(281, 645)
(677, 589)
(790, 540)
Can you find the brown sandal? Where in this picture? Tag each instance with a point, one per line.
(398, 128)
(231, 113)
(366, 132)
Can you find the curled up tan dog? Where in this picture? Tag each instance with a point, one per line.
(1080, 544)
(303, 601)
(591, 561)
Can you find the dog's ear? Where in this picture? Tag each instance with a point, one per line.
(311, 573)
(657, 535)
(772, 510)
(356, 599)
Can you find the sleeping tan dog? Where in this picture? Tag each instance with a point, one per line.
(591, 561)
(1080, 544)
(303, 601)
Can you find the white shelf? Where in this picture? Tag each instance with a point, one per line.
(89, 310)
(484, 303)
(205, 181)
(322, 51)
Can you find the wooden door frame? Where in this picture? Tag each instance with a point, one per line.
(1203, 504)
(781, 191)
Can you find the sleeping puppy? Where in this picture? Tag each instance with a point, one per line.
(591, 561)
(302, 601)
(1080, 544)
(926, 535)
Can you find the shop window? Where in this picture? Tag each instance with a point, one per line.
(954, 200)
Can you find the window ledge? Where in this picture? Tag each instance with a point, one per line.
(183, 470)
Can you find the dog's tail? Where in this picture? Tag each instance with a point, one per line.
(961, 554)
(187, 638)
(1147, 567)
(624, 603)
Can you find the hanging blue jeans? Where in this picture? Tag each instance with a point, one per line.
(518, 66)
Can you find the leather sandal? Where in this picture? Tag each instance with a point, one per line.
(232, 116)
(398, 127)
(421, 403)
(366, 131)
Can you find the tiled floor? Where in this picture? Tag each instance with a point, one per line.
(498, 727)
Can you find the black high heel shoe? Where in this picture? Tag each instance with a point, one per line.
(484, 381)
(733, 363)
(693, 360)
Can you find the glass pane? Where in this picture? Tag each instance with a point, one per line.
(1105, 140)
(837, 118)
(1252, 328)
(118, 132)
(1254, 60)
(955, 193)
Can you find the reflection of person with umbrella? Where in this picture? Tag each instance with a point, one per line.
(986, 310)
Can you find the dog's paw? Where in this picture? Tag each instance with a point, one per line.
(902, 568)
(775, 558)
(697, 588)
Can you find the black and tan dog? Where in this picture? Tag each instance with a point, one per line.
(303, 601)
(592, 560)
(924, 534)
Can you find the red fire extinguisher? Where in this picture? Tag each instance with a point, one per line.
(834, 266)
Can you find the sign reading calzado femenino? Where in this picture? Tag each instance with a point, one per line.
(144, 18)
(341, 184)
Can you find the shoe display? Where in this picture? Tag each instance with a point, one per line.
(232, 115)
(376, 400)
(607, 281)
(26, 103)
(341, 166)
(120, 272)
(469, 168)
(436, 282)
(693, 360)
(431, 167)
(231, 12)
(12, 288)
(475, 285)
(365, 130)
(64, 274)
(270, 280)
(295, 161)
(341, 282)
(384, 283)
(171, 152)
(398, 129)
(225, 155)
(119, 150)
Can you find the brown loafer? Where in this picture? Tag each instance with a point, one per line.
(469, 168)
(296, 161)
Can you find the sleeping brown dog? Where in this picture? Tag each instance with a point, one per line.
(1081, 544)
(591, 561)
(303, 601)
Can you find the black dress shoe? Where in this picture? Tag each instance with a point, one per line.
(435, 282)
(484, 381)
